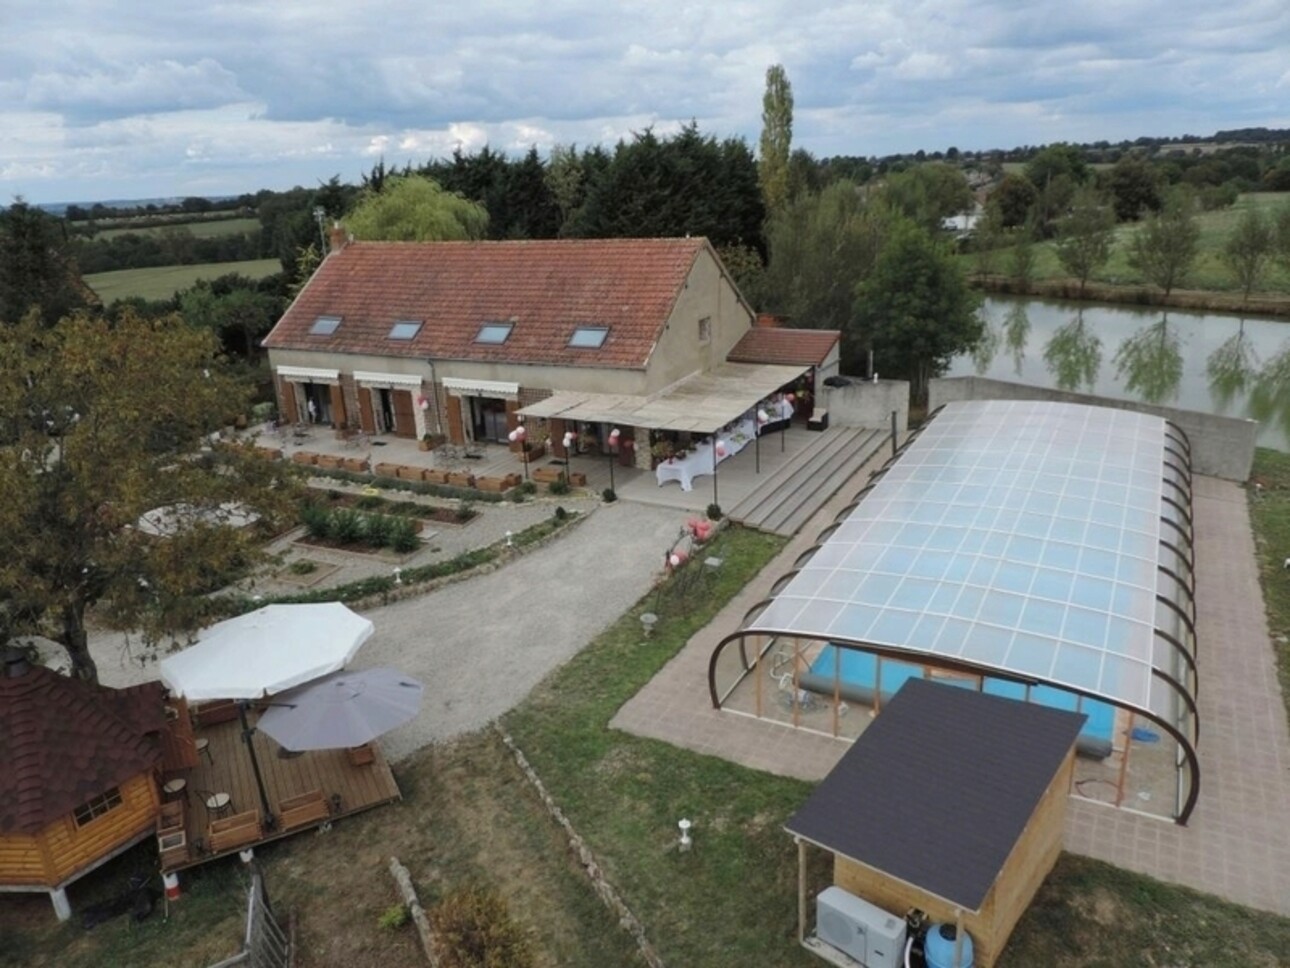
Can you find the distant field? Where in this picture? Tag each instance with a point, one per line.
(200, 229)
(162, 282)
(1208, 271)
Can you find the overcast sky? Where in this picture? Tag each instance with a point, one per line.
(134, 100)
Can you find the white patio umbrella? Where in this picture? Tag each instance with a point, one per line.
(266, 651)
(342, 710)
(262, 653)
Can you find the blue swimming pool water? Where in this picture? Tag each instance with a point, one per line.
(859, 669)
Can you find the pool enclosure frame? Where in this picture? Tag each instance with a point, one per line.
(989, 456)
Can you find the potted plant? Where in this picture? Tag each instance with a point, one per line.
(426, 442)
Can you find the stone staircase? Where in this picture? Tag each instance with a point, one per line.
(788, 498)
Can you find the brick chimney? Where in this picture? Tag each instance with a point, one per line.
(768, 321)
(337, 237)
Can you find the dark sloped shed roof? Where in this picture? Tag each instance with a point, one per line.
(64, 742)
(781, 345)
(938, 788)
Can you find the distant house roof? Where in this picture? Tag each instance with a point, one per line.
(938, 788)
(64, 742)
(781, 345)
(546, 289)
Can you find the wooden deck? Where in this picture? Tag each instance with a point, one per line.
(321, 777)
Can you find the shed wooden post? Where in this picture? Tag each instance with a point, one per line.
(801, 889)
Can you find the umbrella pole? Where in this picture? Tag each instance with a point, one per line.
(269, 820)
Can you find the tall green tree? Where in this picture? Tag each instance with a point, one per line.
(776, 138)
(238, 312)
(36, 266)
(1281, 235)
(106, 421)
(416, 209)
(1166, 245)
(1247, 250)
(928, 193)
(821, 246)
(915, 308)
(565, 181)
(1084, 236)
(1014, 199)
(1135, 188)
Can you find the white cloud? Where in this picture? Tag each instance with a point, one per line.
(157, 99)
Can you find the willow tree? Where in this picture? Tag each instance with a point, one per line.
(410, 208)
(104, 422)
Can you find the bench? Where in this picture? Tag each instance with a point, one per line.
(547, 475)
(355, 465)
(307, 808)
(329, 461)
(214, 712)
(819, 420)
(461, 479)
(230, 833)
(497, 484)
(361, 755)
(304, 457)
(385, 469)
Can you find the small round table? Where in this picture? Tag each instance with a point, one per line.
(218, 803)
(203, 747)
(173, 789)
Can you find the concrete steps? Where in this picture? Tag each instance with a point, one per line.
(788, 498)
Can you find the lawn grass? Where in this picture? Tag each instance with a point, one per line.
(162, 282)
(1208, 272)
(469, 817)
(199, 228)
(1270, 518)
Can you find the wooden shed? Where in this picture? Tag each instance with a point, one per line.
(78, 770)
(952, 803)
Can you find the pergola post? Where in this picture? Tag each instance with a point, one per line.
(801, 890)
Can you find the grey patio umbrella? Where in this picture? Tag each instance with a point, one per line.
(342, 710)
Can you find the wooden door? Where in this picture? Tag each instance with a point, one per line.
(287, 391)
(456, 433)
(338, 419)
(557, 438)
(405, 424)
(365, 418)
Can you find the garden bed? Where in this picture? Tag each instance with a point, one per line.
(462, 514)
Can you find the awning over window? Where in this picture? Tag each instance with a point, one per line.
(481, 388)
(366, 378)
(702, 404)
(308, 374)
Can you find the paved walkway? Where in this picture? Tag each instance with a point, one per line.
(1238, 842)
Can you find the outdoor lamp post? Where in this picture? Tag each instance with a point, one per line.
(569, 439)
(517, 436)
(762, 420)
(614, 436)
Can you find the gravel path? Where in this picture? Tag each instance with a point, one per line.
(481, 645)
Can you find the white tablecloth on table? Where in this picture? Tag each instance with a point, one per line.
(699, 461)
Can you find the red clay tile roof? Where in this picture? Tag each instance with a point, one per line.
(780, 345)
(64, 742)
(548, 288)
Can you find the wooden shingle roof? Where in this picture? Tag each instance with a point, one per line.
(547, 289)
(784, 346)
(64, 742)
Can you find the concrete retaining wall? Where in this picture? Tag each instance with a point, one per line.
(863, 403)
(1220, 446)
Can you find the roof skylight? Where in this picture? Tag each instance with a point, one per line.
(495, 333)
(589, 337)
(405, 329)
(324, 326)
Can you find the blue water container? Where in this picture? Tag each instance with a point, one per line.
(938, 947)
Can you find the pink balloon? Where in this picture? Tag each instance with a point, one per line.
(614, 435)
(674, 560)
(721, 449)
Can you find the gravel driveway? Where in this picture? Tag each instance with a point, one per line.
(481, 645)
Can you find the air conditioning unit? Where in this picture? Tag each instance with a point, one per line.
(860, 930)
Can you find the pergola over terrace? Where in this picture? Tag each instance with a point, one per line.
(1038, 549)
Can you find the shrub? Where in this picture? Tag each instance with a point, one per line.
(464, 511)
(369, 502)
(608, 495)
(333, 494)
(474, 929)
(302, 566)
(402, 535)
(317, 521)
(393, 917)
(347, 526)
(528, 487)
(560, 485)
(560, 513)
(377, 528)
(714, 512)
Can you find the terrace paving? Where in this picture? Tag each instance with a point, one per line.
(1237, 844)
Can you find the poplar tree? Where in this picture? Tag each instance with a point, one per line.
(776, 138)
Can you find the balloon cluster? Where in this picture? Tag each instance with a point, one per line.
(517, 435)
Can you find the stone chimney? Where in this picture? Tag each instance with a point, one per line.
(337, 237)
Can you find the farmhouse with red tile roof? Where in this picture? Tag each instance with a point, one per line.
(455, 338)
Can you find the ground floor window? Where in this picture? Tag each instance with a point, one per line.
(488, 419)
(93, 809)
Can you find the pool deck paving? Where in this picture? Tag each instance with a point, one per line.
(1237, 844)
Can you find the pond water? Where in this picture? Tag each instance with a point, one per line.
(1195, 361)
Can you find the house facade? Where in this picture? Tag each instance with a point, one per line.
(454, 339)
